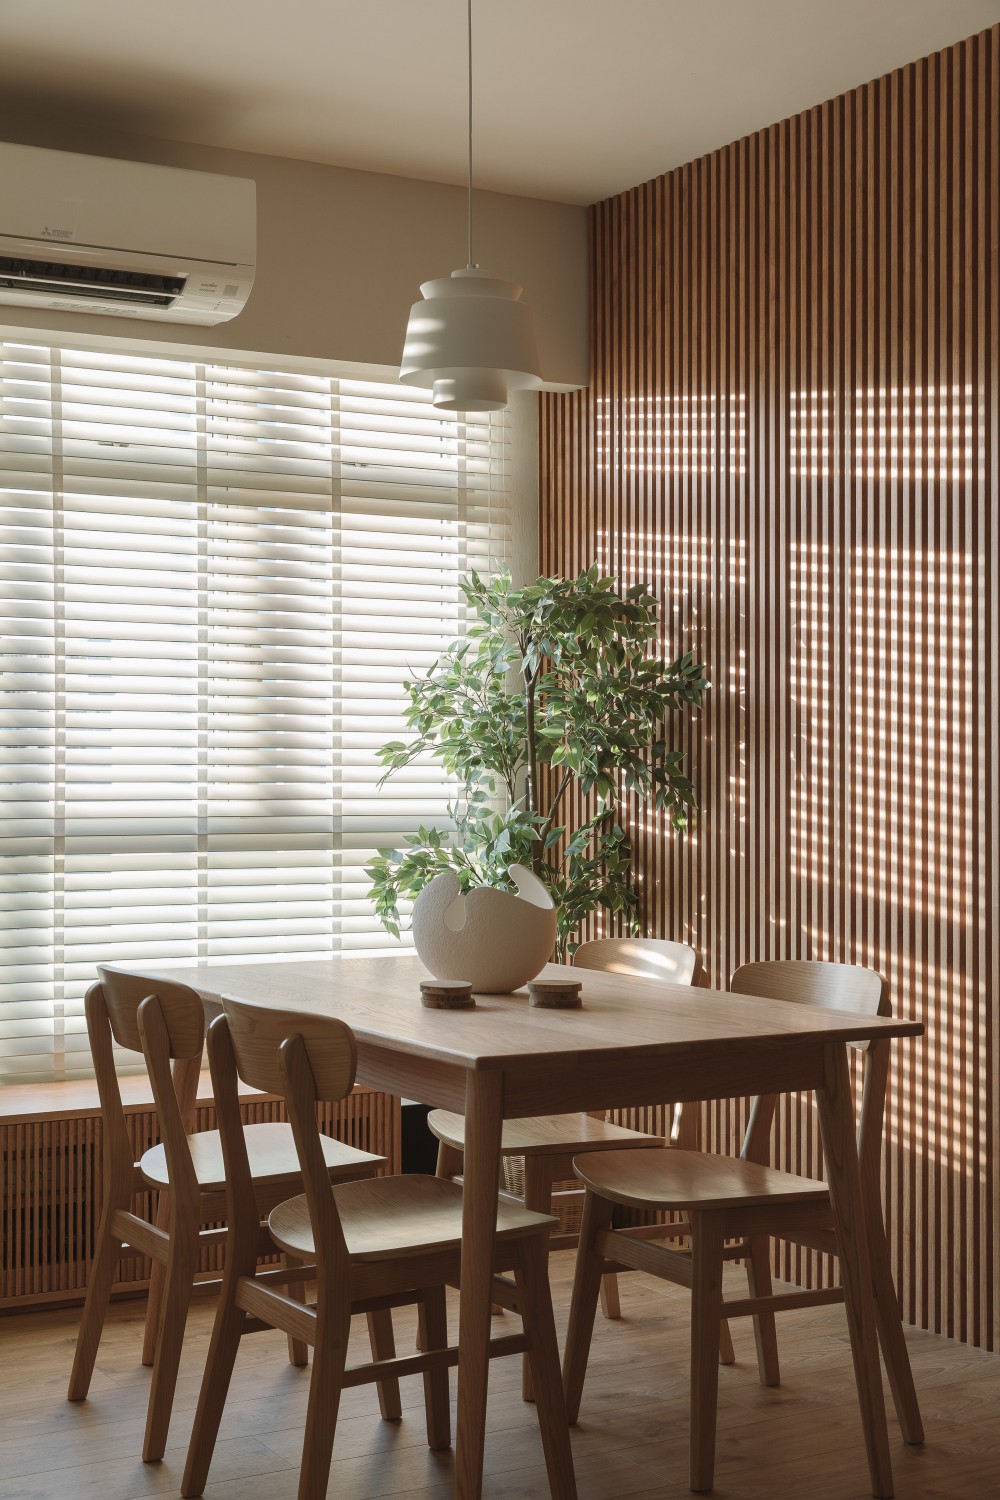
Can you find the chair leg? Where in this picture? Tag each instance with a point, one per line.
(449, 1161)
(433, 1323)
(535, 1298)
(95, 1308)
(685, 1130)
(583, 1307)
(157, 1287)
(727, 1354)
(298, 1349)
(333, 1326)
(891, 1337)
(176, 1299)
(383, 1344)
(226, 1334)
(706, 1311)
(764, 1332)
(611, 1305)
(537, 1197)
(187, 1073)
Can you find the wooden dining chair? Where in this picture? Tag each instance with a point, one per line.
(674, 963)
(732, 1206)
(166, 1023)
(368, 1245)
(537, 1153)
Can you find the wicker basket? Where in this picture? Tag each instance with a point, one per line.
(567, 1197)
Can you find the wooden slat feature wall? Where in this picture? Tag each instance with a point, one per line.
(51, 1174)
(792, 432)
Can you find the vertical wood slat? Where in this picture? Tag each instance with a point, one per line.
(792, 433)
(51, 1187)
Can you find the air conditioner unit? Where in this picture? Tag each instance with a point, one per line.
(87, 234)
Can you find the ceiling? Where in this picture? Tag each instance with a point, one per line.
(575, 99)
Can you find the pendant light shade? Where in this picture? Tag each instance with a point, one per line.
(472, 340)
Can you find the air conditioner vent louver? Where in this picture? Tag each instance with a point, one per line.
(101, 282)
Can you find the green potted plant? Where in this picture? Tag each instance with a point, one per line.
(555, 690)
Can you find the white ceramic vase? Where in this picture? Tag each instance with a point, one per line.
(494, 939)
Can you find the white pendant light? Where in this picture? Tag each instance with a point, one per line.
(470, 337)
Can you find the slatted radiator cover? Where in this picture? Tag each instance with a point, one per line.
(51, 1190)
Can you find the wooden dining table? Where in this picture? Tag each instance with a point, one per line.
(632, 1042)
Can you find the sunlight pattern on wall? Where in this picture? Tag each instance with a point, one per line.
(838, 569)
(672, 434)
(899, 433)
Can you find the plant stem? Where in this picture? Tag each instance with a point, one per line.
(531, 684)
(547, 825)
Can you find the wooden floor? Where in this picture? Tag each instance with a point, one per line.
(803, 1440)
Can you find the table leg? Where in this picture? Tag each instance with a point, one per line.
(887, 1315)
(538, 1197)
(186, 1076)
(483, 1125)
(837, 1124)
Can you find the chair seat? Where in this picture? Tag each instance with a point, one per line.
(392, 1217)
(272, 1154)
(546, 1135)
(672, 1179)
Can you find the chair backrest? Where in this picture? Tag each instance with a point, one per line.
(259, 1031)
(165, 1022)
(645, 958)
(833, 986)
(806, 981)
(183, 1012)
(303, 1058)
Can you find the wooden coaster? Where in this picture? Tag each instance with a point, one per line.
(446, 994)
(556, 994)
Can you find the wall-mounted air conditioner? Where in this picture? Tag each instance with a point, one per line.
(88, 234)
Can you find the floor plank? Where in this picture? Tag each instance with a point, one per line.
(631, 1443)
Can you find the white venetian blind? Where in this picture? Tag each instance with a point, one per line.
(214, 581)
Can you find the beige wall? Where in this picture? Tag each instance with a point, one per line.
(341, 255)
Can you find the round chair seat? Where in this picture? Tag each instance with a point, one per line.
(395, 1216)
(545, 1135)
(694, 1180)
(271, 1149)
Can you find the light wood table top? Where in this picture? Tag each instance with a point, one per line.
(623, 1021)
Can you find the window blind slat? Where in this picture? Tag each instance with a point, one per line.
(214, 582)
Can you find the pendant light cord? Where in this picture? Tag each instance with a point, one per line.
(469, 30)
